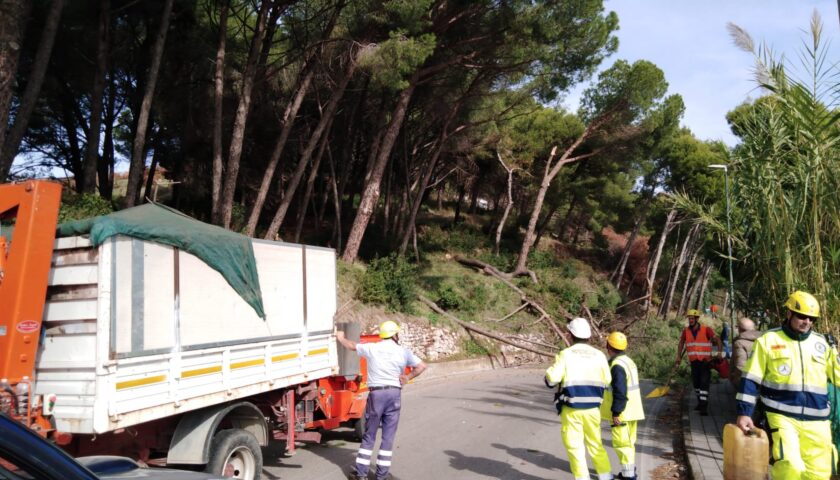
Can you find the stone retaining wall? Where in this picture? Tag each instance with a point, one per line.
(436, 343)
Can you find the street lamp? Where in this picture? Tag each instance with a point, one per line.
(725, 169)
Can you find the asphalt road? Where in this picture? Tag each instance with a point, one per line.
(494, 424)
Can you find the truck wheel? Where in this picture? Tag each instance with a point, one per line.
(359, 428)
(235, 453)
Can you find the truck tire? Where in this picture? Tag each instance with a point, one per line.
(235, 453)
(359, 428)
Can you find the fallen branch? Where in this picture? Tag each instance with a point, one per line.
(596, 326)
(494, 272)
(524, 305)
(481, 331)
(632, 302)
(344, 309)
(543, 344)
(536, 321)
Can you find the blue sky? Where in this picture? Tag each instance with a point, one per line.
(689, 41)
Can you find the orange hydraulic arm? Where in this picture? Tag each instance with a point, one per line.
(24, 271)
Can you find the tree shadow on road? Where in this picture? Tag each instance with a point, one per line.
(536, 457)
(491, 468)
(337, 447)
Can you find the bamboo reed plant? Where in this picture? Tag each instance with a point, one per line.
(785, 181)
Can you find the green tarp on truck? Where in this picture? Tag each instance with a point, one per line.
(229, 253)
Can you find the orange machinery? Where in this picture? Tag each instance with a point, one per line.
(30, 209)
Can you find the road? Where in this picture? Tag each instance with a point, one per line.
(494, 424)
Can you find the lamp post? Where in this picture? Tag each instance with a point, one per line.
(725, 169)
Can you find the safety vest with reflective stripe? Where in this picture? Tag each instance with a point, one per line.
(699, 347)
(789, 376)
(582, 373)
(633, 410)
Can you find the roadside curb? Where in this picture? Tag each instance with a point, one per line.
(694, 470)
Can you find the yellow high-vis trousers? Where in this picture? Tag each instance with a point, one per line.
(624, 443)
(802, 448)
(581, 429)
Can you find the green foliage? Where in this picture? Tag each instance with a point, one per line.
(567, 268)
(448, 298)
(238, 218)
(540, 259)
(389, 281)
(459, 238)
(528, 139)
(503, 260)
(624, 92)
(85, 205)
(473, 348)
(607, 298)
(399, 56)
(653, 346)
(559, 293)
(470, 297)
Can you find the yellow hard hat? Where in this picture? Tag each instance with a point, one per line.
(692, 313)
(388, 329)
(804, 303)
(617, 340)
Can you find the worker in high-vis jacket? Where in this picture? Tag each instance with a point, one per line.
(696, 341)
(583, 375)
(788, 372)
(386, 364)
(622, 405)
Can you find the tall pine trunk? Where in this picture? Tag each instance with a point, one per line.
(287, 122)
(691, 299)
(138, 154)
(218, 100)
(310, 184)
(33, 89)
(305, 157)
(541, 226)
(508, 205)
(237, 137)
(13, 20)
(657, 255)
(551, 172)
(675, 277)
(88, 180)
(703, 284)
(370, 193)
(411, 220)
(105, 168)
(618, 273)
(684, 298)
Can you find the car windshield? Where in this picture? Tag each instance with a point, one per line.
(10, 471)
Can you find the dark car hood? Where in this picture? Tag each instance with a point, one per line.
(108, 467)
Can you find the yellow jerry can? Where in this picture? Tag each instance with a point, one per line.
(745, 456)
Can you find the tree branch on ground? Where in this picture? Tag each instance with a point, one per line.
(494, 272)
(481, 331)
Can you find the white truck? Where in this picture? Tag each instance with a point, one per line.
(142, 349)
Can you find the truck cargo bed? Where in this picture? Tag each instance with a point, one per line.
(135, 331)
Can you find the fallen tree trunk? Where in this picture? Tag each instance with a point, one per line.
(481, 331)
(494, 272)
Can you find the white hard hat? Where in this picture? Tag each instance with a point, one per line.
(580, 328)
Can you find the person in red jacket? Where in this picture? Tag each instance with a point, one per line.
(696, 341)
